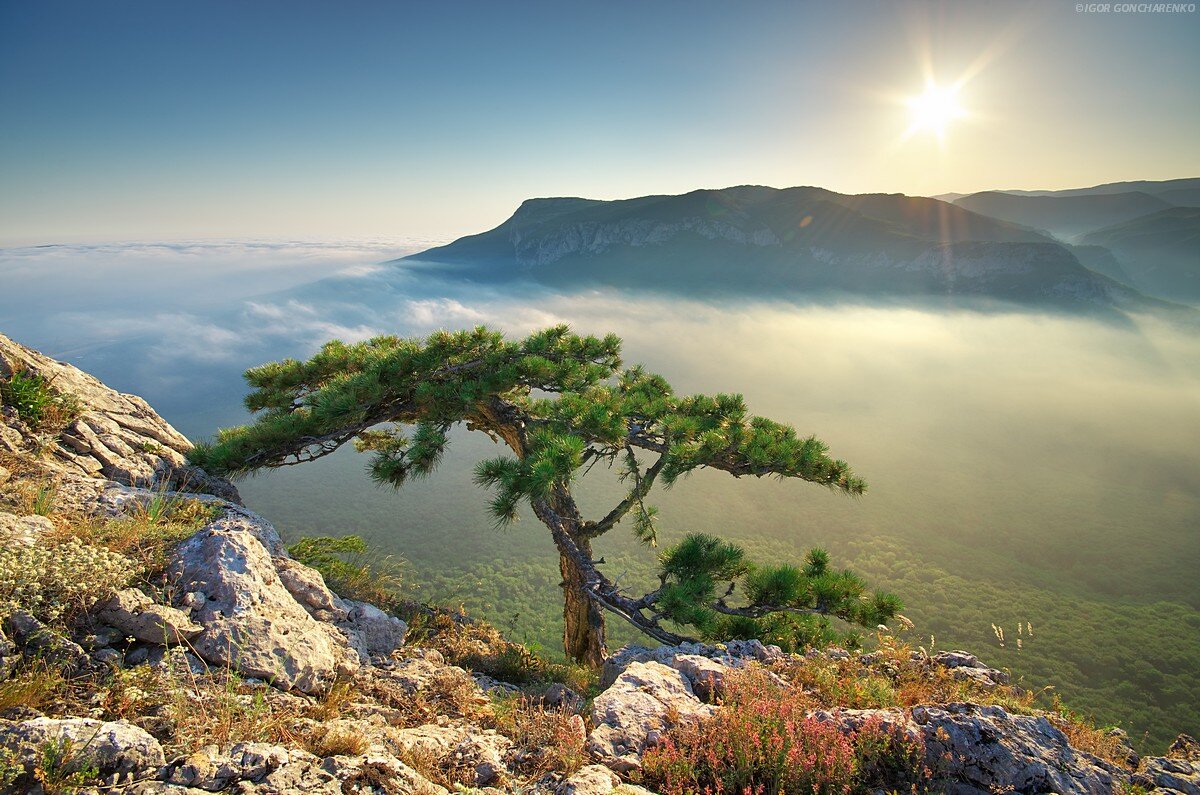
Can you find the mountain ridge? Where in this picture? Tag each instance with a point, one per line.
(784, 241)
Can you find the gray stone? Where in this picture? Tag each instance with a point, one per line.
(137, 615)
(977, 749)
(734, 654)
(371, 630)
(1178, 771)
(115, 747)
(249, 619)
(707, 676)
(964, 665)
(560, 696)
(16, 529)
(646, 697)
(37, 639)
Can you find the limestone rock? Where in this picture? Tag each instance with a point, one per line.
(734, 654)
(458, 747)
(114, 748)
(39, 640)
(644, 699)
(1178, 771)
(597, 780)
(707, 676)
(964, 665)
(137, 615)
(23, 529)
(213, 770)
(372, 631)
(308, 588)
(249, 619)
(981, 749)
(559, 696)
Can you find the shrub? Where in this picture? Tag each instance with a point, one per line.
(56, 580)
(763, 741)
(38, 403)
(760, 742)
(351, 570)
(888, 758)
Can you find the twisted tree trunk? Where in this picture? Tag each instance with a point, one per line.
(584, 639)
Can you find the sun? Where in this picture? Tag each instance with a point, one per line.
(933, 110)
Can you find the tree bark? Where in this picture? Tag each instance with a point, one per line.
(584, 639)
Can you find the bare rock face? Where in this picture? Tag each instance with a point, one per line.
(1178, 771)
(632, 714)
(137, 615)
(964, 665)
(597, 780)
(22, 529)
(982, 749)
(734, 654)
(116, 748)
(260, 769)
(250, 620)
(116, 436)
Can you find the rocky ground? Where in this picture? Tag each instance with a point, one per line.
(158, 638)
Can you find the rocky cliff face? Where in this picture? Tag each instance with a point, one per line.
(227, 666)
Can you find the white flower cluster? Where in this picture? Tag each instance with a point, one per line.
(49, 581)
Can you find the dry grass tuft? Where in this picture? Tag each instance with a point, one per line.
(894, 679)
(326, 741)
(479, 646)
(548, 739)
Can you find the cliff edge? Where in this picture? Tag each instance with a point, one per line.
(157, 637)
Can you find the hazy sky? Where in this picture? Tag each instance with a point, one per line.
(316, 120)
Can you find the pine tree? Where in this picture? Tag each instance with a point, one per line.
(561, 402)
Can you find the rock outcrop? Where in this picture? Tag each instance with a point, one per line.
(115, 436)
(249, 619)
(646, 700)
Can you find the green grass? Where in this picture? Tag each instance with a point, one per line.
(38, 403)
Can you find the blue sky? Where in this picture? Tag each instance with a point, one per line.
(318, 120)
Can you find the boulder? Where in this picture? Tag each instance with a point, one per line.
(115, 748)
(1178, 771)
(137, 615)
(734, 654)
(16, 529)
(307, 586)
(964, 665)
(457, 747)
(39, 640)
(249, 619)
(559, 696)
(371, 630)
(706, 675)
(645, 700)
(975, 749)
(212, 769)
(597, 780)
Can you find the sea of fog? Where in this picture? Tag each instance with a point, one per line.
(1024, 468)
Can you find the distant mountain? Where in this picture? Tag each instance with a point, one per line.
(770, 242)
(1170, 189)
(1160, 252)
(1065, 216)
